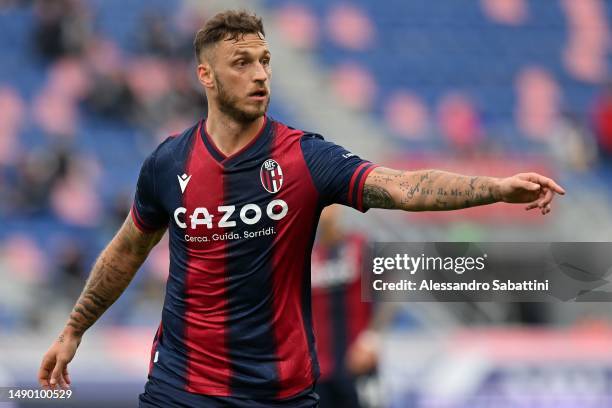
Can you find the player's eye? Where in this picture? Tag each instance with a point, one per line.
(265, 61)
(241, 62)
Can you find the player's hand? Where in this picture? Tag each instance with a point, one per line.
(531, 188)
(54, 367)
(362, 355)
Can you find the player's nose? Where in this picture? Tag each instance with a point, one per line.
(260, 74)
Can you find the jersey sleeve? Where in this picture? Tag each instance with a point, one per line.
(147, 213)
(338, 174)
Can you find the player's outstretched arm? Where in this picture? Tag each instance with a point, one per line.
(436, 190)
(111, 274)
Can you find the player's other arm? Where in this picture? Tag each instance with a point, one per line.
(111, 274)
(435, 190)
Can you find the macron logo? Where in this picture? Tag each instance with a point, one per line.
(183, 181)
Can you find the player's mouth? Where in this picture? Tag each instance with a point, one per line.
(259, 95)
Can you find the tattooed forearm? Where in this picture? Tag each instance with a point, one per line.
(111, 274)
(427, 190)
(377, 197)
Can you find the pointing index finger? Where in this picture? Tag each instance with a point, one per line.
(547, 182)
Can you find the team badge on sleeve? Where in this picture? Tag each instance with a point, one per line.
(271, 176)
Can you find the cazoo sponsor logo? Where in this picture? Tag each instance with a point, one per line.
(249, 214)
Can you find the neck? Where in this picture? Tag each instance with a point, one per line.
(228, 134)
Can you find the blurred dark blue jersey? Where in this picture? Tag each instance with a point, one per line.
(339, 315)
(236, 319)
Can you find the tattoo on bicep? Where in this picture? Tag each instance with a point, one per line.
(111, 274)
(137, 242)
(377, 197)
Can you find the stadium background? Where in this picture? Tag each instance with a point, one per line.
(88, 88)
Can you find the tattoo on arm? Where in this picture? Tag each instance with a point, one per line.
(111, 274)
(377, 197)
(426, 190)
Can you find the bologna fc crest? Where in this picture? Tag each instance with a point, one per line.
(271, 176)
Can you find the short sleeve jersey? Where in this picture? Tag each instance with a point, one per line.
(339, 315)
(236, 319)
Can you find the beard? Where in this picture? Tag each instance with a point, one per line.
(228, 104)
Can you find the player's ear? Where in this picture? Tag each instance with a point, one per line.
(206, 74)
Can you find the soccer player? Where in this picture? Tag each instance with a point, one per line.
(240, 195)
(341, 320)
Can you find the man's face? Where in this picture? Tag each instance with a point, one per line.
(241, 77)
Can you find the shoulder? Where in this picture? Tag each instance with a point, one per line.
(312, 138)
(315, 145)
(312, 147)
(285, 131)
(173, 146)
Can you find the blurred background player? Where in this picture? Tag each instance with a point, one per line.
(340, 318)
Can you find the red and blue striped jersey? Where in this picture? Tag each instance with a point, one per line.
(339, 315)
(236, 319)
